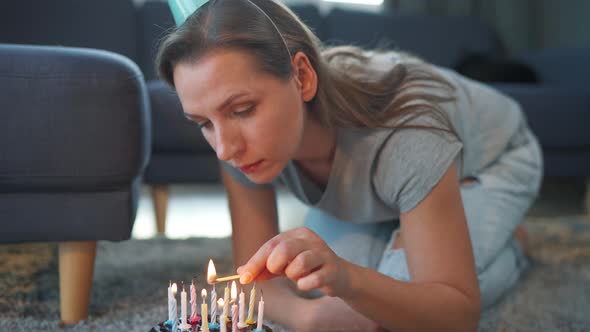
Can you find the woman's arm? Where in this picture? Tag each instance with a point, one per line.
(443, 294)
(254, 221)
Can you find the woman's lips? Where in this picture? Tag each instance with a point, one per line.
(250, 167)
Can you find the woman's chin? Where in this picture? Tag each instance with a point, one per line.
(264, 175)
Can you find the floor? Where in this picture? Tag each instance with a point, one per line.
(201, 210)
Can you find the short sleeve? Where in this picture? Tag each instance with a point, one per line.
(239, 176)
(412, 161)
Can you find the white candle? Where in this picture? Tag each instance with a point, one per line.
(260, 313)
(242, 321)
(172, 304)
(170, 301)
(222, 322)
(213, 305)
(204, 311)
(193, 290)
(234, 307)
(225, 303)
(251, 306)
(183, 306)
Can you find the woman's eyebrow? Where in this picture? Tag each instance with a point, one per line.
(193, 117)
(223, 105)
(230, 99)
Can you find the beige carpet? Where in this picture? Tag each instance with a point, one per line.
(131, 277)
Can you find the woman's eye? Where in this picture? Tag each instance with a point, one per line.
(244, 112)
(205, 124)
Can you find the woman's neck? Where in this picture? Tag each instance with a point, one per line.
(316, 152)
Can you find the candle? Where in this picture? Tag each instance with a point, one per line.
(205, 319)
(234, 308)
(193, 290)
(242, 322)
(183, 306)
(170, 301)
(172, 304)
(225, 302)
(234, 318)
(260, 313)
(222, 322)
(251, 306)
(213, 305)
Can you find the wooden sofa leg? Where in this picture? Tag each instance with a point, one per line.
(76, 267)
(160, 195)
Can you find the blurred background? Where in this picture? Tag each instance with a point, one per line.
(521, 26)
(536, 51)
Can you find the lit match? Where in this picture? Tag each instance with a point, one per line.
(212, 275)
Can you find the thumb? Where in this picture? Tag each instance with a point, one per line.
(256, 266)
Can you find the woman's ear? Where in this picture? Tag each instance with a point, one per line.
(305, 76)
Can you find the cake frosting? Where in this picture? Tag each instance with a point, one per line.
(196, 326)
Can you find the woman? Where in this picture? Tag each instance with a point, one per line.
(417, 177)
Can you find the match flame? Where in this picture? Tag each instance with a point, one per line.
(220, 302)
(204, 293)
(211, 272)
(234, 291)
(174, 288)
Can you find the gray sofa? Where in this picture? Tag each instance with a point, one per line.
(74, 141)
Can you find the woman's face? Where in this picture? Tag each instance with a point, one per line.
(252, 120)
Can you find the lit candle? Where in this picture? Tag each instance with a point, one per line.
(183, 306)
(234, 308)
(193, 290)
(172, 304)
(250, 319)
(242, 322)
(260, 313)
(205, 320)
(222, 322)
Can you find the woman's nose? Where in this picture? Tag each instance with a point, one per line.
(227, 144)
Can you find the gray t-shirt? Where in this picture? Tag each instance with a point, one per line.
(379, 173)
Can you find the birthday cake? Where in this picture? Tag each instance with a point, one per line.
(164, 327)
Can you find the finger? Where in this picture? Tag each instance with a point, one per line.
(303, 264)
(284, 253)
(265, 275)
(319, 279)
(257, 263)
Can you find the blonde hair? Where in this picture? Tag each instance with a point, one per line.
(354, 89)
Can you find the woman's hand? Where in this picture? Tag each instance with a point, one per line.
(302, 256)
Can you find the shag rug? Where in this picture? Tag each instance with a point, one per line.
(130, 280)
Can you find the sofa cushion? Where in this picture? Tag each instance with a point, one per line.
(172, 132)
(563, 66)
(441, 40)
(559, 116)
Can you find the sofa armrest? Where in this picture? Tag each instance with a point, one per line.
(70, 118)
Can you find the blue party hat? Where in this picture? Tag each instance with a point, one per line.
(182, 9)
